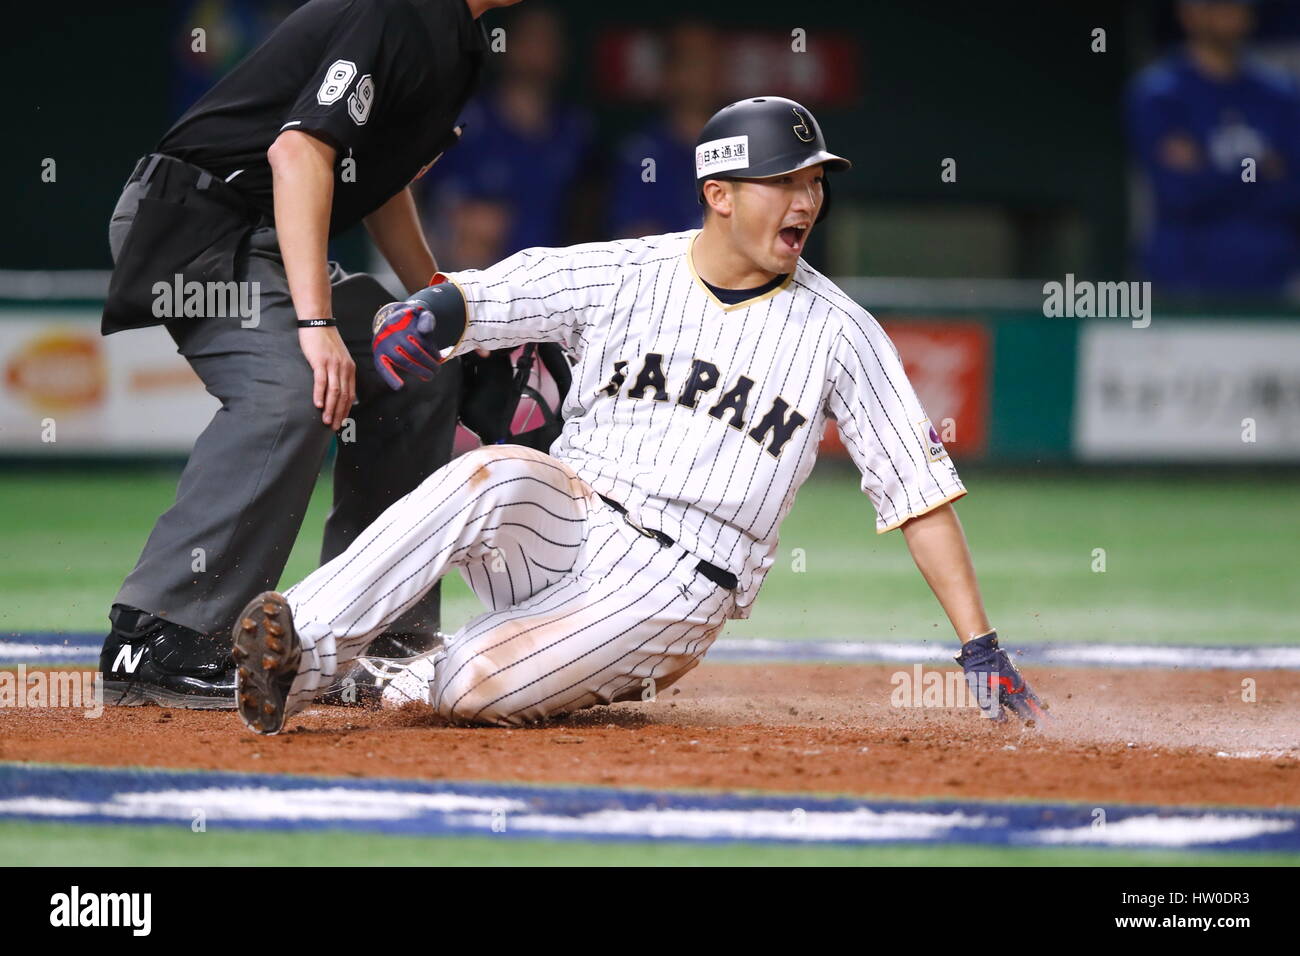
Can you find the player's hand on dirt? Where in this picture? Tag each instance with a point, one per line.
(402, 342)
(335, 374)
(996, 681)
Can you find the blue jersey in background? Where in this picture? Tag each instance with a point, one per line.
(665, 204)
(533, 176)
(1213, 233)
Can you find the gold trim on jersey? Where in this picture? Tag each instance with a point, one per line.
(924, 511)
(690, 263)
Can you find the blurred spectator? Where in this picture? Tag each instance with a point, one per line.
(511, 181)
(641, 205)
(1194, 117)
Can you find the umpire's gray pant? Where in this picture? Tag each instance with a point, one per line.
(243, 493)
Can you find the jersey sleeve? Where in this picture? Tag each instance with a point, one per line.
(539, 295)
(358, 75)
(905, 469)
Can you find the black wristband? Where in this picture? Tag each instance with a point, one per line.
(450, 313)
(316, 323)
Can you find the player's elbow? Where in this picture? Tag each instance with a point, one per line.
(294, 150)
(280, 153)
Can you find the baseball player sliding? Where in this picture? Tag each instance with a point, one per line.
(708, 363)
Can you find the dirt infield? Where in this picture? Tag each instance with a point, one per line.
(1149, 736)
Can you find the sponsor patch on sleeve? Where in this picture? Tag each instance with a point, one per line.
(721, 155)
(934, 449)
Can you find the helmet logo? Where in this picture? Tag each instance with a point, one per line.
(801, 129)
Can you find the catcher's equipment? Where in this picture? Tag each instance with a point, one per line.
(492, 387)
(411, 336)
(996, 681)
(759, 138)
(357, 297)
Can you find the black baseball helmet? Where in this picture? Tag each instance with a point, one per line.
(761, 137)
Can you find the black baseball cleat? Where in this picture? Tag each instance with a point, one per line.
(362, 683)
(266, 651)
(149, 660)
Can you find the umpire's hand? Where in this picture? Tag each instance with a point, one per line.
(335, 373)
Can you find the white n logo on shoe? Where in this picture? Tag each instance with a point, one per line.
(125, 662)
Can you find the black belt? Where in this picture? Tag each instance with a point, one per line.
(719, 576)
(180, 176)
(180, 173)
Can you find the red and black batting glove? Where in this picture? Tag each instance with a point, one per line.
(996, 681)
(403, 342)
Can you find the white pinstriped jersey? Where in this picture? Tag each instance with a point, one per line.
(703, 419)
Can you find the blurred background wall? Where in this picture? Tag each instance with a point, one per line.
(1042, 117)
(1011, 90)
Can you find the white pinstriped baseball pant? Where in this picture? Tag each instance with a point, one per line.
(582, 608)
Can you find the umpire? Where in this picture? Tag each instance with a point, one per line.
(322, 126)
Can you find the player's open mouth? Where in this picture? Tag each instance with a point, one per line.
(792, 236)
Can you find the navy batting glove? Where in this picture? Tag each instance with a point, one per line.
(403, 342)
(996, 681)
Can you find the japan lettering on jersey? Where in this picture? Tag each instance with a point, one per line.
(702, 418)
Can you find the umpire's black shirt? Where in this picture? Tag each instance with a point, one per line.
(382, 81)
